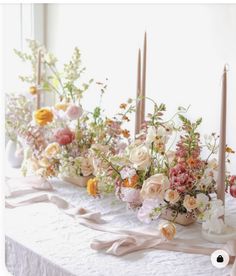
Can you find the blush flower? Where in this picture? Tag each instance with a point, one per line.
(190, 203)
(155, 186)
(146, 213)
(74, 112)
(172, 196)
(180, 178)
(127, 172)
(64, 136)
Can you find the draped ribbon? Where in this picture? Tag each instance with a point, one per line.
(125, 241)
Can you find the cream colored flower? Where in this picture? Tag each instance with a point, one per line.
(140, 157)
(168, 230)
(151, 135)
(172, 196)
(202, 201)
(44, 162)
(86, 166)
(155, 187)
(190, 203)
(51, 150)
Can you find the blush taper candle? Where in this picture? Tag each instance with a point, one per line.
(137, 112)
(222, 145)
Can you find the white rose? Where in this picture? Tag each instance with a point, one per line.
(86, 166)
(140, 157)
(155, 186)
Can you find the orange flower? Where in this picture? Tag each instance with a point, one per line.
(33, 90)
(123, 106)
(168, 230)
(126, 118)
(43, 116)
(109, 122)
(92, 188)
(192, 162)
(125, 133)
(131, 182)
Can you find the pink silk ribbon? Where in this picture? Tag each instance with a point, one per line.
(126, 241)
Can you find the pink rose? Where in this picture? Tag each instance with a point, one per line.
(64, 136)
(73, 112)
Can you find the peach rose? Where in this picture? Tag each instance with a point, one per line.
(168, 230)
(43, 116)
(86, 166)
(51, 150)
(155, 187)
(172, 196)
(190, 203)
(140, 157)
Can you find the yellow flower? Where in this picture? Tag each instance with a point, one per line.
(33, 90)
(229, 150)
(168, 230)
(43, 116)
(92, 187)
(62, 106)
(51, 150)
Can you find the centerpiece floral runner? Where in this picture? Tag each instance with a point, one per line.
(168, 170)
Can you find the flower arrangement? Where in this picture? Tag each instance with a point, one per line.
(162, 172)
(60, 137)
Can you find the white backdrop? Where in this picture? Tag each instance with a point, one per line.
(188, 46)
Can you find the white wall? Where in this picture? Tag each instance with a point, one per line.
(188, 46)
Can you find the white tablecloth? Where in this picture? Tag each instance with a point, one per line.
(43, 241)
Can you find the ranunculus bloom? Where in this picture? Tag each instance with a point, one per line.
(190, 203)
(172, 196)
(86, 166)
(51, 150)
(131, 182)
(168, 230)
(73, 112)
(43, 116)
(155, 186)
(140, 157)
(64, 136)
(92, 187)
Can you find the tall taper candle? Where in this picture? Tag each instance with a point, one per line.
(137, 112)
(38, 80)
(222, 146)
(143, 91)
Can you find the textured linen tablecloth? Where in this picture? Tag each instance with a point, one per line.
(41, 240)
